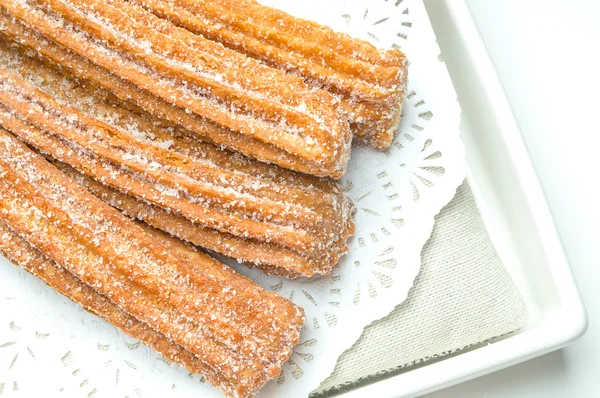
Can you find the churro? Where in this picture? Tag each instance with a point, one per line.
(283, 222)
(370, 82)
(207, 80)
(21, 253)
(234, 327)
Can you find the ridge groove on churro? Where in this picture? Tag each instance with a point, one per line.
(371, 83)
(284, 222)
(20, 252)
(240, 332)
(199, 128)
(208, 80)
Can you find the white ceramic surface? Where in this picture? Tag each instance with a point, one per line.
(561, 134)
(514, 209)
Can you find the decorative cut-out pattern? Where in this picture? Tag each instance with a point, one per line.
(50, 346)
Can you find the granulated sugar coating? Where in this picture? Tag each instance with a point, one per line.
(20, 252)
(281, 221)
(370, 83)
(190, 307)
(117, 116)
(202, 129)
(202, 77)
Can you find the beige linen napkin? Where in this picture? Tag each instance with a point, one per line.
(463, 296)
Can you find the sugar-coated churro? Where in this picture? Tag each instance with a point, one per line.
(240, 332)
(371, 82)
(284, 222)
(20, 252)
(205, 79)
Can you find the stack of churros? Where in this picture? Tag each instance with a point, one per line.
(133, 132)
(285, 223)
(192, 308)
(370, 84)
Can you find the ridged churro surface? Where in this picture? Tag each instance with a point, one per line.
(281, 221)
(370, 82)
(238, 331)
(21, 253)
(216, 84)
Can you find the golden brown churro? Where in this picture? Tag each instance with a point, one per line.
(370, 82)
(202, 129)
(21, 253)
(283, 222)
(124, 131)
(240, 332)
(200, 76)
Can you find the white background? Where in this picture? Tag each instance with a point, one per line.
(547, 54)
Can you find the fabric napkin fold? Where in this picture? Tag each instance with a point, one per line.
(462, 297)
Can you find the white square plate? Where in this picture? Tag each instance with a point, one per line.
(514, 210)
